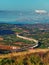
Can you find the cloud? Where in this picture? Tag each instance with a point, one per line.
(40, 11)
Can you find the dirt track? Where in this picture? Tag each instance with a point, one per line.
(30, 39)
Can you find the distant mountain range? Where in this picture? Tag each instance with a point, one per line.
(23, 17)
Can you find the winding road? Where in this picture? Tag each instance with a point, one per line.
(30, 39)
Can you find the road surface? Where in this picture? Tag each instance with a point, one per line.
(30, 39)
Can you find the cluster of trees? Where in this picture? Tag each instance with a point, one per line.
(9, 39)
(43, 37)
(32, 59)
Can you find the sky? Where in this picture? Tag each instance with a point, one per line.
(24, 4)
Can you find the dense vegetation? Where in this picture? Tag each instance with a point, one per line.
(32, 59)
(36, 31)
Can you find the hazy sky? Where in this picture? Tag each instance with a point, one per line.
(24, 4)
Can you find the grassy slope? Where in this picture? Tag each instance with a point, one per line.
(23, 53)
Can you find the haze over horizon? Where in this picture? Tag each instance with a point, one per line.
(24, 11)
